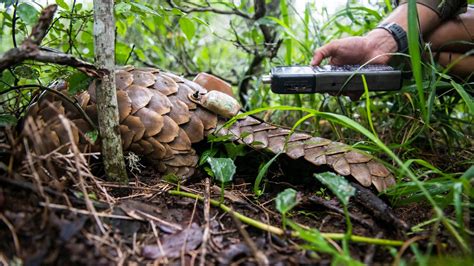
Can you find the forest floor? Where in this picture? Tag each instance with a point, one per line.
(143, 222)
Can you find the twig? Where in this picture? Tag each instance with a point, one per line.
(257, 254)
(206, 233)
(85, 212)
(10, 226)
(234, 11)
(78, 157)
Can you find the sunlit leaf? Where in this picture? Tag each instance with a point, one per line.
(187, 26)
(62, 4)
(338, 185)
(223, 168)
(122, 7)
(286, 200)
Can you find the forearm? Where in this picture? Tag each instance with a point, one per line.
(428, 18)
(462, 65)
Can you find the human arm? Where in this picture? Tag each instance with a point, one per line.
(378, 42)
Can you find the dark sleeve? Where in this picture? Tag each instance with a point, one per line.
(445, 9)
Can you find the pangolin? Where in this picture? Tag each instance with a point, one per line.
(160, 120)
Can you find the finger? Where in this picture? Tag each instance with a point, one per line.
(321, 53)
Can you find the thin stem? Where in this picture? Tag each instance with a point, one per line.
(281, 232)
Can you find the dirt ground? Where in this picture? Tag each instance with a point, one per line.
(45, 218)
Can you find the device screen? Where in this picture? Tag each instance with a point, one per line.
(294, 70)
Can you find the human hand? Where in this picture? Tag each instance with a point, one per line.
(358, 50)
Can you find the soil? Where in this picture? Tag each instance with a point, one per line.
(47, 220)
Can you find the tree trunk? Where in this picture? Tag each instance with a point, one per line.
(107, 107)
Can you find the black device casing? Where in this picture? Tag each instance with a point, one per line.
(305, 79)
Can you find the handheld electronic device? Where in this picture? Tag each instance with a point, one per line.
(334, 79)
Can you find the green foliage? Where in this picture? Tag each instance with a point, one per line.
(223, 168)
(338, 185)
(286, 200)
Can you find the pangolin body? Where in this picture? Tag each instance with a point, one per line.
(159, 120)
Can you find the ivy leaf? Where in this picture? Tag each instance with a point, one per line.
(206, 155)
(27, 13)
(338, 185)
(286, 200)
(187, 26)
(223, 168)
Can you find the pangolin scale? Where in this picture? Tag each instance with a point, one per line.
(159, 121)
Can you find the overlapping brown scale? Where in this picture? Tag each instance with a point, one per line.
(51, 110)
(208, 119)
(179, 111)
(63, 133)
(124, 104)
(159, 151)
(123, 79)
(135, 125)
(183, 94)
(151, 120)
(357, 157)
(173, 76)
(140, 96)
(159, 103)
(126, 135)
(165, 84)
(91, 111)
(260, 139)
(169, 130)
(190, 159)
(182, 142)
(361, 173)
(319, 151)
(147, 146)
(194, 129)
(83, 98)
(143, 78)
(295, 149)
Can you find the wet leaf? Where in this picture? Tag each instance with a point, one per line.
(286, 200)
(27, 13)
(172, 245)
(223, 168)
(338, 185)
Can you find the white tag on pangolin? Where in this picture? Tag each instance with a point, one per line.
(217, 102)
